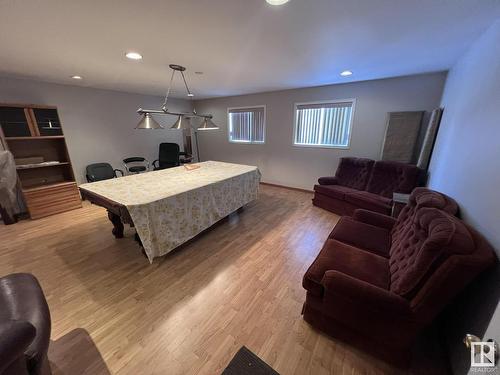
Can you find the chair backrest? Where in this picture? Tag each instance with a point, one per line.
(134, 159)
(99, 172)
(354, 172)
(389, 177)
(433, 238)
(168, 155)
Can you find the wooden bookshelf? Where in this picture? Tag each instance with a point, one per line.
(34, 135)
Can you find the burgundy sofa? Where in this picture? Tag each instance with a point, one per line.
(365, 183)
(377, 281)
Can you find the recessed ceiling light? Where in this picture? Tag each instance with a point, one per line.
(346, 73)
(133, 56)
(277, 2)
(76, 77)
(190, 94)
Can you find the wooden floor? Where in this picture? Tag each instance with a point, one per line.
(190, 311)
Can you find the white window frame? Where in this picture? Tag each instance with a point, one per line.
(229, 125)
(351, 124)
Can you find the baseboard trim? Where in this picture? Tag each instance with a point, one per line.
(287, 187)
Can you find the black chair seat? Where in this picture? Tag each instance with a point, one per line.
(138, 168)
(142, 167)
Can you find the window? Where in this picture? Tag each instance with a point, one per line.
(247, 125)
(324, 124)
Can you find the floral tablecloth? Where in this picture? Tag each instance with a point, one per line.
(171, 206)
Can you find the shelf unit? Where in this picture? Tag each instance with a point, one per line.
(29, 131)
(21, 168)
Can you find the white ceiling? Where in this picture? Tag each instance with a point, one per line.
(242, 46)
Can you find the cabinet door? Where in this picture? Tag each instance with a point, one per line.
(47, 121)
(15, 122)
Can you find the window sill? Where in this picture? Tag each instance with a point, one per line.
(247, 143)
(323, 146)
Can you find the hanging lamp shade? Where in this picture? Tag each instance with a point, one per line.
(148, 122)
(207, 124)
(182, 123)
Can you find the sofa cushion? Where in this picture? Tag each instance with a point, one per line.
(389, 177)
(354, 262)
(361, 235)
(433, 237)
(334, 191)
(354, 172)
(369, 201)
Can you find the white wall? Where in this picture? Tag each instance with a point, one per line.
(98, 124)
(282, 163)
(466, 165)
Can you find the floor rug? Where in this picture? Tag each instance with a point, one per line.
(247, 363)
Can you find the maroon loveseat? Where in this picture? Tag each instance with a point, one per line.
(377, 281)
(365, 183)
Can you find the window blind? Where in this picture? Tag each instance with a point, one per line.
(323, 124)
(247, 125)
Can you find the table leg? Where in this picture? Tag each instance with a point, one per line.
(117, 224)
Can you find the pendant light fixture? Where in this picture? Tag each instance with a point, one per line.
(183, 118)
(148, 122)
(182, 123)
(207, 124)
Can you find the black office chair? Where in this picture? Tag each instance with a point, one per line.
(168, 156)
(101, 171)
(132, 167)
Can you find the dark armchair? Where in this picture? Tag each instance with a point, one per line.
(101, 171)
(168, 156)
(24, 326)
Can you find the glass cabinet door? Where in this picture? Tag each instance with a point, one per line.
(14, 122)
(47, 121)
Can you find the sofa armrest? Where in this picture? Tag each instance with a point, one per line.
(371, 296)
(15, 337)
(374, 218)
(328, 181)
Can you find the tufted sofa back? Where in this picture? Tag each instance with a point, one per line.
(424, 197)
(354, 172)
(389, 176)
(430, 239)
(420, 197)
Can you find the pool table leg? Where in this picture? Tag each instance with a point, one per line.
(117, 224)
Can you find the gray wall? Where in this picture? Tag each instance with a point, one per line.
(466, 166)
(98, 124)
(282, 163)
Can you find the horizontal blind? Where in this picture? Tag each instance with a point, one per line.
(325, 124)
(246, 125)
